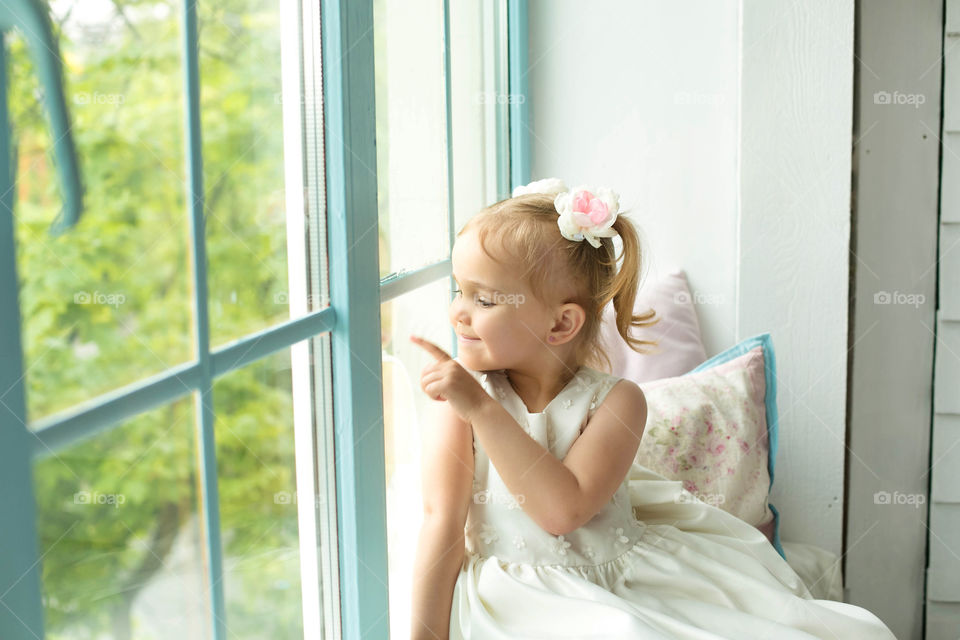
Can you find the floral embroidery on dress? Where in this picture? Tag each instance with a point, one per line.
(519, 542)
(561, 546)
(488, 534)
(589, 553)
(619, 495)
(567, 403)
(619, 538)
(512, 502)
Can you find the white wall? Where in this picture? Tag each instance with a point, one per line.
(726, 125)
(639, 97)
(796, 123)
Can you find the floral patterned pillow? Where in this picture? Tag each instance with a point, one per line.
(708, 428)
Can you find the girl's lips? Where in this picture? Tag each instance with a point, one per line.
(467, 339)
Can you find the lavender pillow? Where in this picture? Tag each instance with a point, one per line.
(678, 333)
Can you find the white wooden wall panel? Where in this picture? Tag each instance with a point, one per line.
(951, 85)
(950, 260)
(943, 571)
(942, 621)
(893, 259)
(952, 20)
(946, 389)
(794, 233)
(950, 191)
(946, 458)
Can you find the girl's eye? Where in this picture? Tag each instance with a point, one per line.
(485, 304)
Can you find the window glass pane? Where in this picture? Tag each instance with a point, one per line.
(258, 500)
(405, 407)
(479, 103)
(121, 535)
(411, 133)
(108, 302)
(242, 119)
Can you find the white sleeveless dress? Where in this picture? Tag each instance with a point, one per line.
(685, 569)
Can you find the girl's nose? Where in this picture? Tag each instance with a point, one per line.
(458, 313)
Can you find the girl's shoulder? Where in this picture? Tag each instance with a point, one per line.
(598, 383)
(597, 377)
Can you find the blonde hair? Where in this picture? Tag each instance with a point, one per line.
(559, 270)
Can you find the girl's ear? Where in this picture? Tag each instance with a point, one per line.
(568, 320)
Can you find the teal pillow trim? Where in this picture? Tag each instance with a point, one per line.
(764, 341)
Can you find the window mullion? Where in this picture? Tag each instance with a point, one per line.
(21, 615)
(351, 160)
(518, 46)
(448, 91)
(397, 284)
(203, 398)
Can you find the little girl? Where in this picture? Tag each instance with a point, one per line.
(528, 527)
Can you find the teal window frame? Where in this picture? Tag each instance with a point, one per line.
(352, 321)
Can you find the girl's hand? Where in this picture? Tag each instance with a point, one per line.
(447, 380)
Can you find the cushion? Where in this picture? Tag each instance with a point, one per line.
(715, 429)
(678, 333)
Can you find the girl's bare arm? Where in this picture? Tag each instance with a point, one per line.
(447, 476)
(563, 495)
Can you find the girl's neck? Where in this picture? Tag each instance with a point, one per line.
(536, 388)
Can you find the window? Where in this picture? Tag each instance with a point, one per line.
(188, 370)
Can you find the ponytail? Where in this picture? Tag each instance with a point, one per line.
(622, 289)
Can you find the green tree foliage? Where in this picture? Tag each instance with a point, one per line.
(110, 303)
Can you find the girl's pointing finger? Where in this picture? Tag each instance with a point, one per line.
(431, 348)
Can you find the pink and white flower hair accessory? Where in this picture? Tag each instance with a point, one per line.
(586, 213)
(549, 186)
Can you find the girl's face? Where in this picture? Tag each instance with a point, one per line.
(498, 321)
